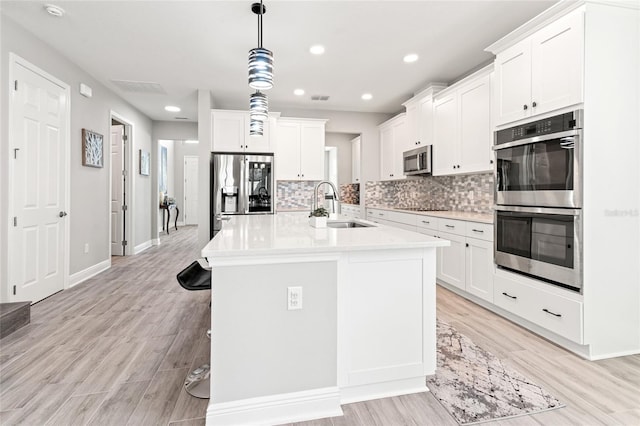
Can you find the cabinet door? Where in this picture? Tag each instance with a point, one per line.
(557, 64)
(259, 144)
(399, 147)
(312, 151)
(425, 122)
(413, 126)
(386, 153)
(513, 82)
(475, 126)
(287, 160)
(228, 131)
(445, 144)
(451, 261)
(356, 145)
(479, 268)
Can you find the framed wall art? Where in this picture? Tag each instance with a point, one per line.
(92, 149)
(163, 169)
(145, 161)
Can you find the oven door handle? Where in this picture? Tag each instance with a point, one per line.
(539, 210)
(535, 139)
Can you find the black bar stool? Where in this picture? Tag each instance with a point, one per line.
(197, 276)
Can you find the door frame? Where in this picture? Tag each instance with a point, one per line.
(14, 60)
(184, 185)
(129, 185)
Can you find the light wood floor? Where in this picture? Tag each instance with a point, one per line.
(115, 350)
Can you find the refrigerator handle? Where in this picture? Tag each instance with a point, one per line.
(243, 196)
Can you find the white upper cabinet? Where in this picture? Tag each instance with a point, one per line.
(356, 146)
(543, 72)
(393, 137)
(299, 149)
(419, 113)
(462, 134)
(231, 133)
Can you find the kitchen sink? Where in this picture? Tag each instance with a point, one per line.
(347, 224)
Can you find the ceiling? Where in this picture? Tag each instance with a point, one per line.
(184, 46)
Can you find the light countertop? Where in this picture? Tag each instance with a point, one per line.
(449, 214)
(290, 233)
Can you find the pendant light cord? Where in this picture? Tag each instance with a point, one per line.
(260, 25)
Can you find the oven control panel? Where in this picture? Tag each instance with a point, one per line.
(558, 123)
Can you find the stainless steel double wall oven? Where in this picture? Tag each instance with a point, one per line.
(538, 197)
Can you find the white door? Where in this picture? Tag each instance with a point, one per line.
(190, 190)
(38, 141)
(117, 214)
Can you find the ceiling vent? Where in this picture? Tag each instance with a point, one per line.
(139, 87)
(319, 98)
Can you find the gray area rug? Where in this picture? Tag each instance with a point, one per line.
(474, 385)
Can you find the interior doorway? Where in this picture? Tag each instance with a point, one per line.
(120, 202)
(190, 190)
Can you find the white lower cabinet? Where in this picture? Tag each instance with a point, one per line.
(351, 211)
(451, 262)
(479, 268)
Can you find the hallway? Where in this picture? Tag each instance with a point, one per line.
(113, 350)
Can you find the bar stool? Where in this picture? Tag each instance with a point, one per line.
(197, 276)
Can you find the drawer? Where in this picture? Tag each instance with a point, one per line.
(427, 222)
(406, 218)
(558, 314)
(482, 231)
(457, 227)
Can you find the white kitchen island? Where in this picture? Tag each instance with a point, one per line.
(366, 328)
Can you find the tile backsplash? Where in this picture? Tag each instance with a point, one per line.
(350, 193)
(297, 195)
(470, 193)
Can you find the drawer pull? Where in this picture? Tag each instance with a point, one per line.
(478, 230)
(509, 296)
(450, 226)
(426, 221)
(380, 214)
(551, 313)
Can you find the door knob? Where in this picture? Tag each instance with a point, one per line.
(62, 214)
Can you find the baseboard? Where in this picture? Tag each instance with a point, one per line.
(614, 355)
(277, 409)
(91, 271)
(155, 242)
(142, 247)
(350, 394)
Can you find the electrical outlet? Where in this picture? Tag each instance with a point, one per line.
(294, 298)
(86, 248)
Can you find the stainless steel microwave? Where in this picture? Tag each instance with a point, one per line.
(417, 161)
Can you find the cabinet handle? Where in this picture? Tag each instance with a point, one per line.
(490, 161)
(425, 221)
(390, 175)
(524, 107)
(534, 104)
(450, 226)
(454, 166)
(380, 214)
(466, 244)
(478, 230)
(303, 175)
(551, 313)
(298, 174)
(509, 296)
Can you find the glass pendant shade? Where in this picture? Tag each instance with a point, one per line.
(260, 69)
(256, 128)
(258, 107)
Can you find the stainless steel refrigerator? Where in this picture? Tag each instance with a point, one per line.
(240, 184)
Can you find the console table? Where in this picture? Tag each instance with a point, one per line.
(168, 208)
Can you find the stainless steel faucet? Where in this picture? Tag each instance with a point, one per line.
(336, 198)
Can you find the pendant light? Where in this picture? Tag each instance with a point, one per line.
(260, 59)
(256, 128)
(258, 106)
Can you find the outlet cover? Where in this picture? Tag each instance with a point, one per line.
(294, 298)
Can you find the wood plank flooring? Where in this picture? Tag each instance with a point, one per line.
(115, 351)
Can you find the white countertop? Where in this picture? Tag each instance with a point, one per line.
(290, 233)
(449, 214)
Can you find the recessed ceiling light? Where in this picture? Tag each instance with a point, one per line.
(367, 96)
(54, 10)
(317, 49)
(298, 92)
(411, 57)
(190, 141)
(172, 108)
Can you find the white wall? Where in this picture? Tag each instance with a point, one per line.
(205, 105)
(89, 187)
(342, 141)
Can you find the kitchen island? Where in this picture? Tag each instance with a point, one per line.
(305, 319)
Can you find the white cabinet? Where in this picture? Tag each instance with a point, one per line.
(451, 262)
(351, 211)
(230, 131)
(479, 268)
(543, 72)
(462, 126)
(419, 111)
(392, 134)
(299, 149)
(356, 146)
